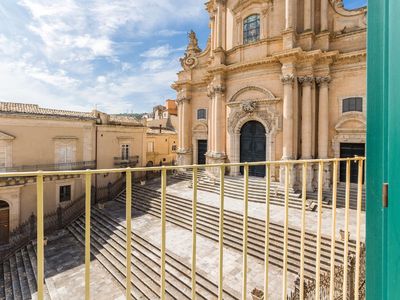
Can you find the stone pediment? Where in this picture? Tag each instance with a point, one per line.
(254, 93)
(351, 123)
(200, 127)
(243, 4)
(5, 136)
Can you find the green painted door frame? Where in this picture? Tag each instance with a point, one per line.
(383, 150)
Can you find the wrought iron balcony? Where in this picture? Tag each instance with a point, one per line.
(124, 162)
(80, 165)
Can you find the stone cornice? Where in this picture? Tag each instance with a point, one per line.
(288, 56)
(246, 65)
(259, 100)
(351, 57)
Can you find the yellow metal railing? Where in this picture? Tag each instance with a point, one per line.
(288, 169)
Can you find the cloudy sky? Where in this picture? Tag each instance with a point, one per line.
(117, 55)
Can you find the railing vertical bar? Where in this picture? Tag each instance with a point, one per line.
(40, 237)
(128, 233)
(163, 229)
(319, 228)
(346, 230)
(88, 185)
(267, 217)
(286, 233)
(333, 231)
(221, 233)
(194, 228)
(358, 239)
(303, 228)
(245, 228)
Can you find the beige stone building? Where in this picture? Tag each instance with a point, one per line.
(279, 79)
(162, 144)
(34, 138)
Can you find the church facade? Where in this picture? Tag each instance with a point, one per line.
(278, 80)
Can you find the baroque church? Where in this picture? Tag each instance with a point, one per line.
(278, 80)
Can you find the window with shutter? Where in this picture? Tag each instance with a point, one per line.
(125, 151)
(352, 104)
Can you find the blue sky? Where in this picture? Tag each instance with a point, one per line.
(117, 55)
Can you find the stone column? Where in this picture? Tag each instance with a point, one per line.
(220, 130)
(323, 116)
(287, 81)
(306, 117)
(306, 127)
(324, 15)
(289, 11)
(307, 15)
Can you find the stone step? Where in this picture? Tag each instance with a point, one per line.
(146, 270)
(15, 278)
(22, 277)
(9, 293)
(237, 242)
(236, 218)
(256, 232)
(106, 260)
(2, 287)
(204, 286)
(29, 273)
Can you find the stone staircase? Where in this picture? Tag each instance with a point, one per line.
(18, 277)
(179, 213)
(257, 191)
(108, 246)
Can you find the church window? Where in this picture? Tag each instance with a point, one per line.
(352, 104)
(251, 29)
(202, 114)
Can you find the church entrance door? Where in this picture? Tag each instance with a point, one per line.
(253, 146)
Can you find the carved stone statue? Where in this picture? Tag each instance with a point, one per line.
(189, 61)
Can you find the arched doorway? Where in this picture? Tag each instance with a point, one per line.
(253, 146)
(4, 222)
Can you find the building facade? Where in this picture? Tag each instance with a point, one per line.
(279, 79)
(34, 138)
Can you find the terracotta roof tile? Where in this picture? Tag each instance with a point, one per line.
(33, 109)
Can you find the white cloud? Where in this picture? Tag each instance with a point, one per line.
(78, 53)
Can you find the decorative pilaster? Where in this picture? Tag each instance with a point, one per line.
(324, 15)
(307, 15)
(289, 14)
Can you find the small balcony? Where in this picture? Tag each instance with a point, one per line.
(80, 165)
(125, 162)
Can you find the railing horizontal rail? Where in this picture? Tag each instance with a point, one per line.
(159, 168)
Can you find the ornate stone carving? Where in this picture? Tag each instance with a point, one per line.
(306, 80)
(190, 60)
(213, 89)
(248, 106)
(267, 118)
(323, 80)
(288, 79)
